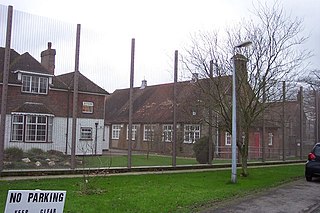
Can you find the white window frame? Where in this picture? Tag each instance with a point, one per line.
(116, 128)
(87, 107)
(36, 128)
(148, 132)
(270, 139)
(31, 128)
(34, 84)
(167, 132)
(228, 139)
(50, 128)
(17, 128)
(86, 133)
(134, 131)
(191, 133)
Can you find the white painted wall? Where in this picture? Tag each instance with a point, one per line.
(105, 141)
(59, 137)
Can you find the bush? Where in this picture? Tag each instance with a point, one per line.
(36, 154)
(56, 155)
(13, 154)
(201, 150)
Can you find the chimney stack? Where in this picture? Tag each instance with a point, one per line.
(48, 58)
(143, 84)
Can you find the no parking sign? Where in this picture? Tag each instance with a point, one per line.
(35, 201)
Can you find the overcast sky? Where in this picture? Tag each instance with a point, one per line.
(159, 28)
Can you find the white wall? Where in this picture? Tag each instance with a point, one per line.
(105, 142)
(59, 137)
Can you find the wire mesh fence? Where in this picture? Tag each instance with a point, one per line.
(38, 127)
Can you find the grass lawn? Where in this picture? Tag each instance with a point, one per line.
(178, 192)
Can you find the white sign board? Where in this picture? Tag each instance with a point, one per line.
(35, 201)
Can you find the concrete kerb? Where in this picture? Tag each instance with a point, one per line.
(68, 173)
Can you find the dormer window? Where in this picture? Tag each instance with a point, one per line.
(34, 84)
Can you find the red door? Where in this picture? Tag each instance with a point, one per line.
(256, 149)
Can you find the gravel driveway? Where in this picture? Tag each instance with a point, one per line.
(295, 197)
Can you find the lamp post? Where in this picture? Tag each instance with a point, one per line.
(96, 138)
(234, 115)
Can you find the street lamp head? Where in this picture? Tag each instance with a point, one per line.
(243, 44)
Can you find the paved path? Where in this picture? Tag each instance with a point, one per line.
(296, 197)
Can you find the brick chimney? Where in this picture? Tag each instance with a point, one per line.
(48, 58)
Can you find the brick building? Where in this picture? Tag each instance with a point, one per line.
(39, 106)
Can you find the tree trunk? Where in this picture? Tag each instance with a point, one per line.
(243, 148)
(244, 166)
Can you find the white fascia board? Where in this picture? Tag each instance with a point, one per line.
(33, 73)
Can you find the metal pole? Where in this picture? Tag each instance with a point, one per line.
(283, 120)
(75, 99)
(263, 119)
(131, 101)
(174, 143)
(210, 142)
(5, 79)
(96, 139)
(234, 125)
(234, 115)
(301, 120)
(317, 117)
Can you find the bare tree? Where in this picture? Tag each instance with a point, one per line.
(312, 99)
(276, 54)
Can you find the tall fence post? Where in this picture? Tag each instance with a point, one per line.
(283, 120)
(131, 102)
(174, 144)
(75, 100)
(301, 121)
(210, 142)
(5, 79)
(317, 116)
(263, 142)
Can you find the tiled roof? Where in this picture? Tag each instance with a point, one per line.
(26, 62)
(36, 108)
(154, 104)
(65, 81)
(273, 116)
(274, 110)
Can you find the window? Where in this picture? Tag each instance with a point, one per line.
(50, 127)
(36, 128)
(17, 128)
(87, 107)
(191, 133)
(31, 128)
(134, 131)
(116, 131)
(148, 132)
(167, 133)
(85, 133)
(270, 139)
(34, 84)
(228, 139)
(317, 150)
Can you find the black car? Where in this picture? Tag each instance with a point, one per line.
(313, 163)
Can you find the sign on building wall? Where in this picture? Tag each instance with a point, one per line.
(35, 201)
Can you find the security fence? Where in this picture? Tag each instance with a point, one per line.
(67, 110)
